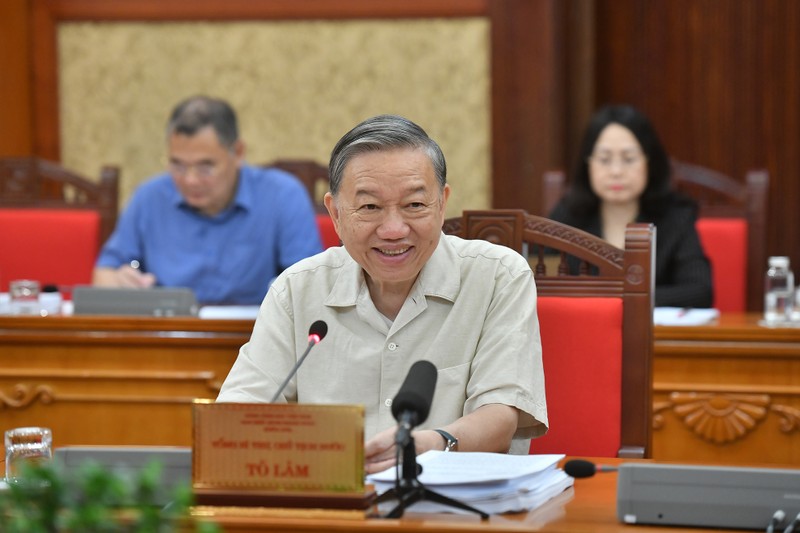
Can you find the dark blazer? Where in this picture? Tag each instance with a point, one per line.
(683, 272)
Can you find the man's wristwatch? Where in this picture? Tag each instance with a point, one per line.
(450, 442)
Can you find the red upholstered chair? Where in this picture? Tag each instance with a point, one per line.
(53, 221)
(52, 246)
(326, 231)
(597, 334)
(733, 230)
(30, 182)
(315, 178)
(731, 226)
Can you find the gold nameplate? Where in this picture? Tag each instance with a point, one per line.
(278, 447)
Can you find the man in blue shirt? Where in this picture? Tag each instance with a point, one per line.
(212, 223)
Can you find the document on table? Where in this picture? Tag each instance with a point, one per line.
(492, 482)
(231, 312)
(683, 316)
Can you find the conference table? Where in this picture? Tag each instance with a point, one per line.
(113, 380)
(589, 506)
(727, 392)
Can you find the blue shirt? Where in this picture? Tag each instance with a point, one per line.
(229, 258)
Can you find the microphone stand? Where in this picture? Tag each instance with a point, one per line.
(408, 489)
(311, 343)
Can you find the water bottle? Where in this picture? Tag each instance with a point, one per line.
(778, 290)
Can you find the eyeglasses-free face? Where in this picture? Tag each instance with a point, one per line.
(389, 213)
(204, 171)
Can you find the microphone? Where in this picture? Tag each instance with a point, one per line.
(580, 468)
(316, 333)
(413, 401)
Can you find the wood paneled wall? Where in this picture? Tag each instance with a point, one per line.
(524, 36)
(720, 80)
(16, 119)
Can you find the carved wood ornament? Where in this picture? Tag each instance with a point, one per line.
(724, 418)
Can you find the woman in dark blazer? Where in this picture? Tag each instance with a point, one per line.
(623, 176)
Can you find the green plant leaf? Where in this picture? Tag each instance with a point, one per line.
(95, 500)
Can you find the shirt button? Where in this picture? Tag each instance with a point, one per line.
(392, 346)
(388, 402)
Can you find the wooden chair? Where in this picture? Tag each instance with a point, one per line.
(315, 178)
(30, 182)
(53, 221)
(731, 226)
(733, 230)
(597, 334)
(313, 175)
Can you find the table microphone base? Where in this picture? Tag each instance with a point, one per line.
(408, 497)
(408, 490)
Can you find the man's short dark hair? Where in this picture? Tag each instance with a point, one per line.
(197, 112)
(384, 132)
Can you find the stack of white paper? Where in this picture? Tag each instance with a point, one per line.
(683, 316)
(491, 482)
(231, 312)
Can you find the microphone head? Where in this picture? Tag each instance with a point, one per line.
(579, 468)
(416, 393)
(318, 329)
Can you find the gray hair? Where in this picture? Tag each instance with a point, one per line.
(197, 112)
(383, 132)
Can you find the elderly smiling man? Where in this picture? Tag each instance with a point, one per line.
(399, 291)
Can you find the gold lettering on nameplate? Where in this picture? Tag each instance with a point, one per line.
(278, 447)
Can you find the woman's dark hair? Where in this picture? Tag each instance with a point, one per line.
(581, 200)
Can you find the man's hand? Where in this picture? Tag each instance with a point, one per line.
(124, 276)
(380, 451)
(487, 429)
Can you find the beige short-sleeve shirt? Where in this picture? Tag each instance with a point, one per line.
(471, 312)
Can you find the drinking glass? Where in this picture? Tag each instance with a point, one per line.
(26, 446)
(24, 297)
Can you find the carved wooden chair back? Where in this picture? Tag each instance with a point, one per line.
(30, 182)
(597, 330)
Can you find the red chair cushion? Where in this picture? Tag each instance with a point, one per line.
(326, 231)
(48, 245)
(582, 356)
(725, 243)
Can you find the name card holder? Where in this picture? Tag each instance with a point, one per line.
(279, 455)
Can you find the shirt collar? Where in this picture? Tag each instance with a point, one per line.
(243, 199)
(439, 278)
(245, 196)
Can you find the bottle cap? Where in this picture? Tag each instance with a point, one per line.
(779, 261)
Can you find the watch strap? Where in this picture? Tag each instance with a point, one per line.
(451, 443)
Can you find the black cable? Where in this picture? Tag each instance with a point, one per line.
(777, 518)
(793, 525)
